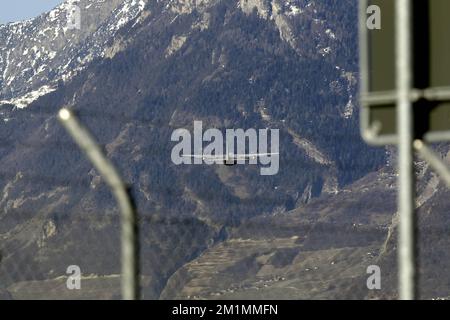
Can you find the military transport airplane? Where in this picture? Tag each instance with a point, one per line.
(229, 159)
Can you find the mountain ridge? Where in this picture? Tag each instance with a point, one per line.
(35, 54)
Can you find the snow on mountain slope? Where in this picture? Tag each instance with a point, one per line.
(35, 54)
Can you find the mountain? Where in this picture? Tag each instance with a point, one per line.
(138, 70)
(36, 54)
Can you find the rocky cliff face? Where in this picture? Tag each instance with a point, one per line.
(36, 54)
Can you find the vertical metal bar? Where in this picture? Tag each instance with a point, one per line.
(129, 237)
(406, 237)
(363, 70)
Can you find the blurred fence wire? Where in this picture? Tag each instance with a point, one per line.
(129, 237)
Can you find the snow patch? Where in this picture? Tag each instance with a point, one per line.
(27, 99)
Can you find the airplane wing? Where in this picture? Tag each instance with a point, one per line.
(205, 157)
(254, 155)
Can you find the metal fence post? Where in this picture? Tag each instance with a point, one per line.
(406, 237)
(129, 236)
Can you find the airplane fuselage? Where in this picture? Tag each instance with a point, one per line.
(230, 160)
